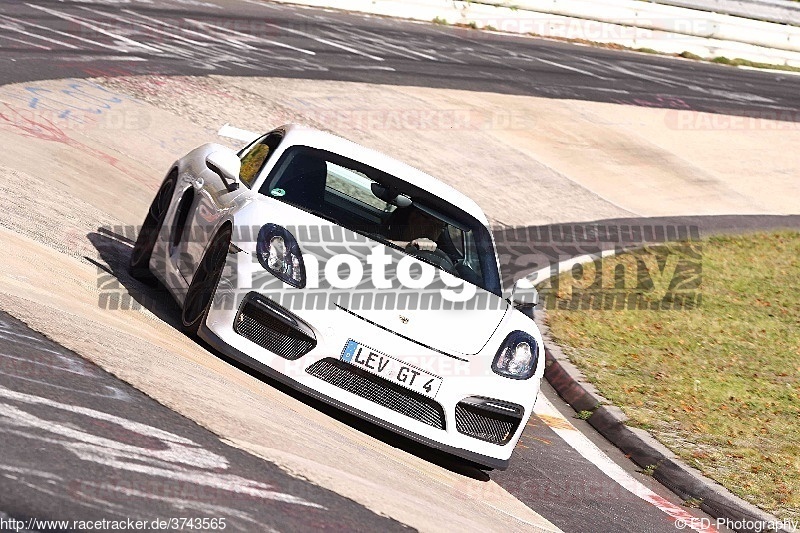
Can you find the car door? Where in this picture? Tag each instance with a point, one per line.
(213, 200)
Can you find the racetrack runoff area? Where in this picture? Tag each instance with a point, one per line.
(92, 156)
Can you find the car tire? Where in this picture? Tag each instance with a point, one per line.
(204, 283)
(139, 265)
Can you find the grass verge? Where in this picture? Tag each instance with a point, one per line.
(739, 62)
(718, 384)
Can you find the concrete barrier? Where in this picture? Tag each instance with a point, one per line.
(669, 19)
(630, 23)
(779, 11)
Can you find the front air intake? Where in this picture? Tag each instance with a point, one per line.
(274, 328)
(488, 420)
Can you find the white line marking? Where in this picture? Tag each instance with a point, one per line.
(180, 503)
(402, 51)
(31, 472)
(43, 47)
(589, 451)
(328, 42)
(94, 27)
(170, 26)
(406, 50)
(365, 67)
(574, 69)
(113, 394)
(599, 89)
(64, 34)
(176, 458)
(240, 34)
(239, 44)
(146, 26)
(86, 59)
(11, 27)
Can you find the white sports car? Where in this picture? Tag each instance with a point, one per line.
(354, 278)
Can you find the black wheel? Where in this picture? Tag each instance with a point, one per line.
(204, 283)
(143, 248)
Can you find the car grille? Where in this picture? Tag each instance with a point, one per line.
(378, 390)
(485, 424)
(257, 324)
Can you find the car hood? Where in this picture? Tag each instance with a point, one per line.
(384, 287)
(452, 332)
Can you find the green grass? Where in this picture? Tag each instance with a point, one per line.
(694, 503)
(649, 470)
(689, 55)
(739, 62)
(718, 384)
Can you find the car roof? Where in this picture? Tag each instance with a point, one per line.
(314, 138)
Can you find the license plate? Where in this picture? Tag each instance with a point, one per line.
(391, 369)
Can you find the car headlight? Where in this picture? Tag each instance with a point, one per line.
(517, 356)
(279, 253)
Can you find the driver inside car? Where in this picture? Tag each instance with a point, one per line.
(421, 231)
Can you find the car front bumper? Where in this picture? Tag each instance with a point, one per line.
(462, 381)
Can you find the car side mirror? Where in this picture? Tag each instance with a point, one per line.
(524, 296)
(226, 165)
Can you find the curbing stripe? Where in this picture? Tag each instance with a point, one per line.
(589, 451)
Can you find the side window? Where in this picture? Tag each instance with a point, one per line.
(254, 156)
(457, 238)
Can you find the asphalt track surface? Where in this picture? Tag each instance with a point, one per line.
(49, 39)
(44, 40)
(79, 444)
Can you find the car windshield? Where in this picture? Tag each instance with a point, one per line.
(386, 209)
